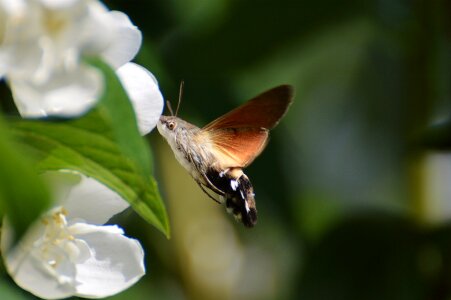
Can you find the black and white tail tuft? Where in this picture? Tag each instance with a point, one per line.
(238, 196)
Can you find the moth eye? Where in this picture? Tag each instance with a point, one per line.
(171, 125)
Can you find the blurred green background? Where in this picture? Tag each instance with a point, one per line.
(354, 188)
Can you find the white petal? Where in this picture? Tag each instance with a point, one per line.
(66, 94)
(28, 270)
(97, 32)
(31, 277)
(4, 65)
(61, 183)
(55, 4)
(82, 251)
(93, 202)
(83, 229)
(83, 197)
(21, 50)
(126, 43)
(116, 264)
(13, 7)
(142, 89)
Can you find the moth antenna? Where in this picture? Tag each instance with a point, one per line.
(170, 107)
(182, 84)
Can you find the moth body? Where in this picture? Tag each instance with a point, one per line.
(238, 195)
(195, 152)
(216, 154)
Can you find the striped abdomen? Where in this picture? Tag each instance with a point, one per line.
(238, 195)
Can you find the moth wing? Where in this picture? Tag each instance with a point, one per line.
(238, 147)
(241, 135)
(263, 111)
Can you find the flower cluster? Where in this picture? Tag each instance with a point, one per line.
(43, 46)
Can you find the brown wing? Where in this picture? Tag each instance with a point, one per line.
(241, 135)
(263, 111)
(238, 147)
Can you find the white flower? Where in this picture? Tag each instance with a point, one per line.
(144, 93)
(42, 43)
(66, 254)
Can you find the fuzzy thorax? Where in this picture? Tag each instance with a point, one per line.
(190, 149)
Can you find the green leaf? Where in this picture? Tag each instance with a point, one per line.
(117, 110)
(87, 145)
(7, 291)
(23, 196)
(104, 144)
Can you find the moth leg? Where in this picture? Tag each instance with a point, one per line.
(208, 194)
(212, 186)
(204, 176)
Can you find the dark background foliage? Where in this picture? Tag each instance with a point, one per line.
(347, 187)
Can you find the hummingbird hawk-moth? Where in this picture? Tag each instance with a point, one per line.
(216, 154)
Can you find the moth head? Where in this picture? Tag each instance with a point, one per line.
(168, 126)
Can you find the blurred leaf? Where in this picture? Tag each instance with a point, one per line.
(330, 58)
(6, 292)
(373, 256)
(201, 16)
(116, 109)
(317, 213)
(437, 136)
(262, 27)
(23, 196)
